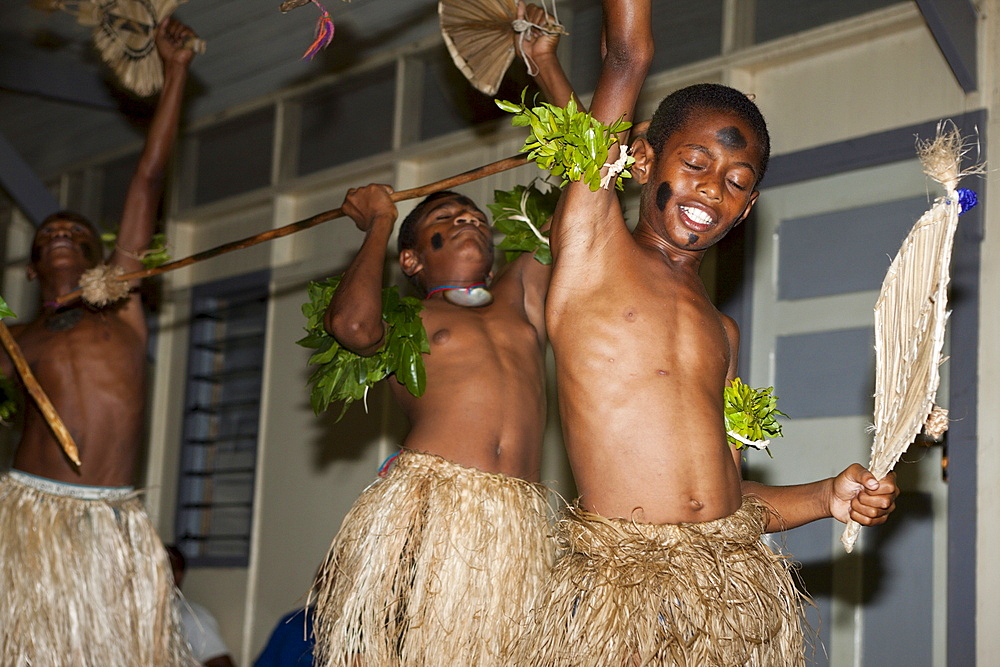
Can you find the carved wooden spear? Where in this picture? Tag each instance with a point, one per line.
(38, 394)
(413, 193)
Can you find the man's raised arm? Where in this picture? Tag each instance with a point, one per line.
(627, 48)
(139, 215)
(354, 316)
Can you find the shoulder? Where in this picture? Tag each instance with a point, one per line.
(731, 327)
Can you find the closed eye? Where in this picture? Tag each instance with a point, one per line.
(738, 186)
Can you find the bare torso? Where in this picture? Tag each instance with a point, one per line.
(641, 358)
(94, 374)
(484, 405)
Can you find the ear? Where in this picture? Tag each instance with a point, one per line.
(30, 272)
(409, 262)
(746, 211)
(644, 159)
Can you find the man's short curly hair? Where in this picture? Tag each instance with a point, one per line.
(679, 106)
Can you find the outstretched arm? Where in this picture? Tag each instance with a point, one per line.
(538, 48)
(853, 494)
(139, 215)
(582, 221)
(354, 316)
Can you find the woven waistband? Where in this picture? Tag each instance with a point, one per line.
(78, 491)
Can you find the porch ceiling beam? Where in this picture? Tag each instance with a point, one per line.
(953, 24)
(23, 185)
(55, 78)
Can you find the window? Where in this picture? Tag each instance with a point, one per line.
(348, 121)
(234, 156)
(221, 417)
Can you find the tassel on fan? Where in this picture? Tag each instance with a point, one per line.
(124, 32)
(482, 36)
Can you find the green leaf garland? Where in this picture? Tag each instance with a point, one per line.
(8, 392)
(571, 144)
(752, 414)
(342, 375)
(520, 214)
(155, 255)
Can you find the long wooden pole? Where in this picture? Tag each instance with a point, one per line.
(38, 394)
(412, 193)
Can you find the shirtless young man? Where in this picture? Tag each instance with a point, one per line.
(84, 578)
(665, 564)
(439, 562)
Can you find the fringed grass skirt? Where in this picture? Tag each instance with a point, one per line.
(84, 579)
(690, 595)
(435, 565)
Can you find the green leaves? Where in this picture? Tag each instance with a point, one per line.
(155, 255)
(751, 414)
(571, 144)
(520, 214)
(342, 375)
(8, 398)
(5, 310)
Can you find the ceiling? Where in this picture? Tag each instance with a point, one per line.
(252, 50)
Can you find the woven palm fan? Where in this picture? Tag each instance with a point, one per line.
(910, 317)
(482, 36)
(124, 33)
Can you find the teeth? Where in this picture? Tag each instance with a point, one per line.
(697, 215)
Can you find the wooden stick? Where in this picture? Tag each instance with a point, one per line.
(41, 400)
(412, 193)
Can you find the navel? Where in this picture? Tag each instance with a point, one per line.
(697, 505)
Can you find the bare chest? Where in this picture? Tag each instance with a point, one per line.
(466, 336)
(82, 339)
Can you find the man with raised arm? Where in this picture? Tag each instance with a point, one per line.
(664, 564)
(84, 578)
(440, 562)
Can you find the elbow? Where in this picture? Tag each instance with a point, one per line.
(633, 53)
(354, 334)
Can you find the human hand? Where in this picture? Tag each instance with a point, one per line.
(172, 39)
(369, 204)
(536, 44)
(858, 496)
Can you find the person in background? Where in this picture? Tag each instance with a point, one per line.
(200, 628)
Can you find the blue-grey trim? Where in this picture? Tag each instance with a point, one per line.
(59, 78)
(953, 24)
(963, 369)
(21, 183)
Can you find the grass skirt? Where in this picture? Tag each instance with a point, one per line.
(692, 595)
(84, 581)
(436, 564)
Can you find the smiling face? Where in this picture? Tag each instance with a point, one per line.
(703, 181)
(64, 242)
(453, 242)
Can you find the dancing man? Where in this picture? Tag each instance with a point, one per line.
(664, 564)
(84, 578)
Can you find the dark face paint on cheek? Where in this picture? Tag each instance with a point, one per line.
(692, 239)
(663, 194)
(731, 138)
(437, 242)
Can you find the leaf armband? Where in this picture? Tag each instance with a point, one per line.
(751, 416)
(571, 144)
(342, 375)
(155, 255)
(520, 214)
